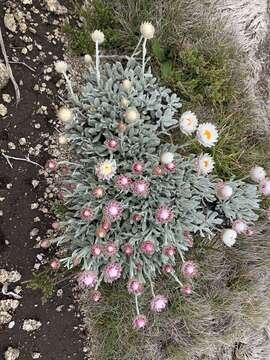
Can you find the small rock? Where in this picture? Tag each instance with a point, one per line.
(35, 183)
(22, 141)
(3, 275)
(31, 325)
(12, 354)
(36, 355)
(11, 325)
(55, 7)
(3, 110)
(10, 304)
(14, 276)
(27, 2)
(10, 22)
(5, 317)
(4, 76)
(6, 98)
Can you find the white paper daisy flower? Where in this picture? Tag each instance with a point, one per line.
(147, 30)
(105, 170)
(98, 36)
(207, 134)
(205, 164)
(188, 122)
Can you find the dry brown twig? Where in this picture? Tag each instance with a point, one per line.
(15, 85)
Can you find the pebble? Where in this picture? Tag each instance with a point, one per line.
(5, 317)
(12, 354)
(4, 76)
(3, 110)
(10, 23)
(7, 305)
(36, 355)
(31, 325)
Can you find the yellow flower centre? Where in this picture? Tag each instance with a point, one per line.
(206, 163)
(189, 121)
(106, 168)
(208, 134)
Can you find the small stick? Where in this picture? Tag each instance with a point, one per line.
(22, 63)
(26, 159)
(15, 85)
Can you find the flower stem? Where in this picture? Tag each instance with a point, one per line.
(144, 55)
(176, 279)
(137, 47)
(137, 305)
(69, 86)
(97, 63)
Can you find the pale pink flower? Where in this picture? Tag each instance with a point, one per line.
(111, 144)
(113, 210)
(250, 231)
(51, 165)
(55, 264)
(112, 272)
(95, 295)
(127, 249)
(139, 322)
(189, 269)
(169, 250)
(96, 249)
(123, 182)
(157, 170)
(110, 248)
(264, 187)
(186, 290)
(159, 303)
(134, 286)
(136, 217)
(87, 278)
(87, 214)
(170, 167)
(137, 167)
(239, 226)
(167, 268)
(164, 215)
(56, 225)
(140, 187)
(105, 224)
(147, 247)
(98, 192)
(44, 244)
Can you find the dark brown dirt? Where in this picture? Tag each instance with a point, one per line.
(60, 335)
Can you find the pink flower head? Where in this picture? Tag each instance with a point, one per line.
(264, 187)
(105, 224)
(170, 167)
(239, 226)
(61, 195)
(110, 248)
(157, 170)
(134, 286)
(71, 186)
(64, 169)
(186, 290)
(250, 231)
(96, 249)
(87, 214)
(51, 165)
(44, 244)
(112, 272)
(169, 251)
(164, 215)
(127, 249)
(147, 247)
(113, 210)
(159, 303)
(87, 278)
(136, 217)
(189, 269)
(137, 167)
(123, 182)
(140, 187)
(167, 268)
(188, 238)
(98, 192)
(121, 127)
(95, 295)
(139, 322)
(111, 144)
(55, 264)
(56, 225)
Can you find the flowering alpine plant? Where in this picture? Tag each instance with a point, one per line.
(135, 205)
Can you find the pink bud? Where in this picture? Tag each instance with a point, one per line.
(139, 322)
(55, 264)
(56, 225)
(157, 170)
(95, 295)
(44, 244)
(98, 192)
(189, 269)
(169, 251)
(127, 249)
(137, 167)
(186, 290)
(136, 217)
(51, 165)
(167, 268)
